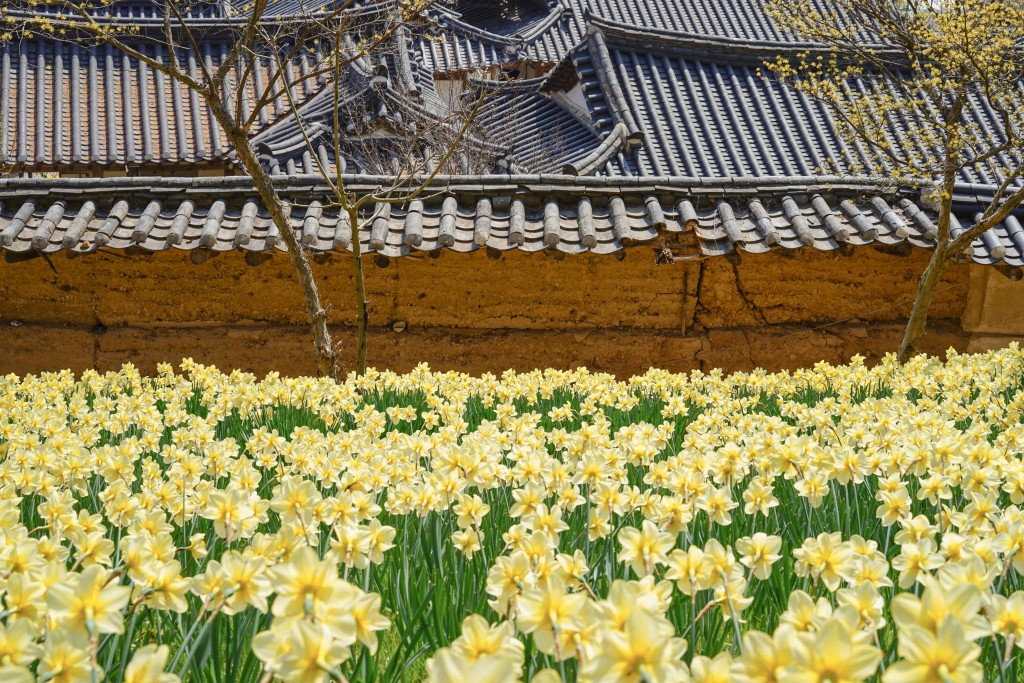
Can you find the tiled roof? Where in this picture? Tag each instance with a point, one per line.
(653, 113)
(547, 35)
(670, 87)
(516, 127)
(67, 105)
(507, 17)
(701, 107)
(119, 10)
(540, 135)
(143, 12)
(453, 47)
(741, 20)
(689, 217)
(702, 116)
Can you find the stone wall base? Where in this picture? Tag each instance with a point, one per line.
(990, 342)
(35, 348)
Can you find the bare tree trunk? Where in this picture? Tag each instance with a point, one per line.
(363, 323)
(926, 287)
(326, 357)
(932, 274)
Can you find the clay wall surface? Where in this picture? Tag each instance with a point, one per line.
(473, 312)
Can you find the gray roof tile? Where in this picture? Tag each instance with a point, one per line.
(672, 128)
(701, 108)
(68, 105)
(545, 213)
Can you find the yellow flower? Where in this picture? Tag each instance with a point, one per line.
(1007, 617)
(546, 676)
(147, 666)
(306, 586)
(968, 570)
(164, 586)
(718, 503)
(720, 563)
(479, 639)
(467, 541)
(646, 650)
(14, 673)
(294, 500)
(547, 611)
(447, 666)
(93, 547)
(836, 653)
(351, 542)
(547, 520)
(66, 659)
(626, 596)
(872, 569)
(574, 567)
(300, 651)
(962, 602)
(90, 602)
(527, 499)
(914, 530)
(365, 611)
(895, 506)
(645, 548)
(717, 670)
(868, 603)
(916, 560)
(759, 552)
(826, 558)
(598, 524)
(245, 582)
(814, 487)
(381, 538)
(18, 644)
(232, 513)
(508, 577)
(688, 569)
(470, 511)
(732, 598)
(197, 546)
(764, 657)
(943, 656)
(23, 597)
(935, 488)
(673, 514)
(803, 613)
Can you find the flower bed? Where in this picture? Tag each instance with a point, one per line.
(834, 524)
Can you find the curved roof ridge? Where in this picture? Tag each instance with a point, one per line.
(516, 85)
(452, 20)
(542, 26)
(600, 155)
(283, 138)
(211, 26)
(609, 83)
(455, 20)
(493, 181)
(738, 49)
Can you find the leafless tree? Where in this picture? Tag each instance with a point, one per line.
(254, 75)
(926, 89)
(368, 123)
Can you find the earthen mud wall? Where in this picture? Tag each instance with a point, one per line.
(473, 312)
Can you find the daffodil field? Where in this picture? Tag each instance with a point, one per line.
(835, 524)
